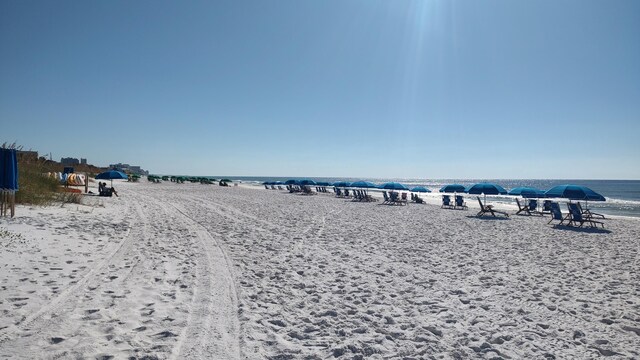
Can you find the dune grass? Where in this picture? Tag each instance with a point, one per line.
(34, 186)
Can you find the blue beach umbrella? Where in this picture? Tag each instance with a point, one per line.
(452, 188)
(322, 183)
(574, 192)
(110, 175)
(486, 189)
(393, 186)
(363, 184)
(527, 192)
(421, 189)
(305, 182)
(290, 182)
(341, 184)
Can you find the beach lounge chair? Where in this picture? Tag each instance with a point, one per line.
(394, 199)
(107, 191)
(546, 207)
(367, 197)
(556, 213)
(460, 204)
(386, 201)
(403, 199)
(446, 202)
(577, 217)
(587, 213)
(522, 208)
(488, 209)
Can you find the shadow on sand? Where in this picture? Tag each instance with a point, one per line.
(589, 230)
(488, 217)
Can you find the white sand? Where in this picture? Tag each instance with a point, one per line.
(206, 272)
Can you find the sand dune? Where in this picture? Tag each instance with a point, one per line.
(201, 271)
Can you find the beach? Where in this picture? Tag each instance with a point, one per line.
(191, 271)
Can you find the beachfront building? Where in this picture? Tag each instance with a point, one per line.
(129, 169)
(69, 161)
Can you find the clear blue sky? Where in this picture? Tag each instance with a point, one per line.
(359, 88)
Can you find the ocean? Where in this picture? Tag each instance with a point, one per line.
(623, 196)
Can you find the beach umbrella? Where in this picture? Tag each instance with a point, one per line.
(111, 174)
(420, 189)
(267, 183)
(486, 189)
(574, 192)
(306, 182)
(341, 184)
(393, 186)
(363, 184)
(452, 188)
(533, 194)
(322, 183)
(527, 192)
(290, 182)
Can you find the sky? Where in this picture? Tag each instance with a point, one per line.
(337, 88)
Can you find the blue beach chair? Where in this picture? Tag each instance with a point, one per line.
(588, 213)
(460, 204)
(446, 202)
(577, 217)
(556, 213)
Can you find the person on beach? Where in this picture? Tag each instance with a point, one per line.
(113, 191)
(100, 187)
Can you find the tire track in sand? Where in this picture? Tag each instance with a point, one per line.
(212, 324)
